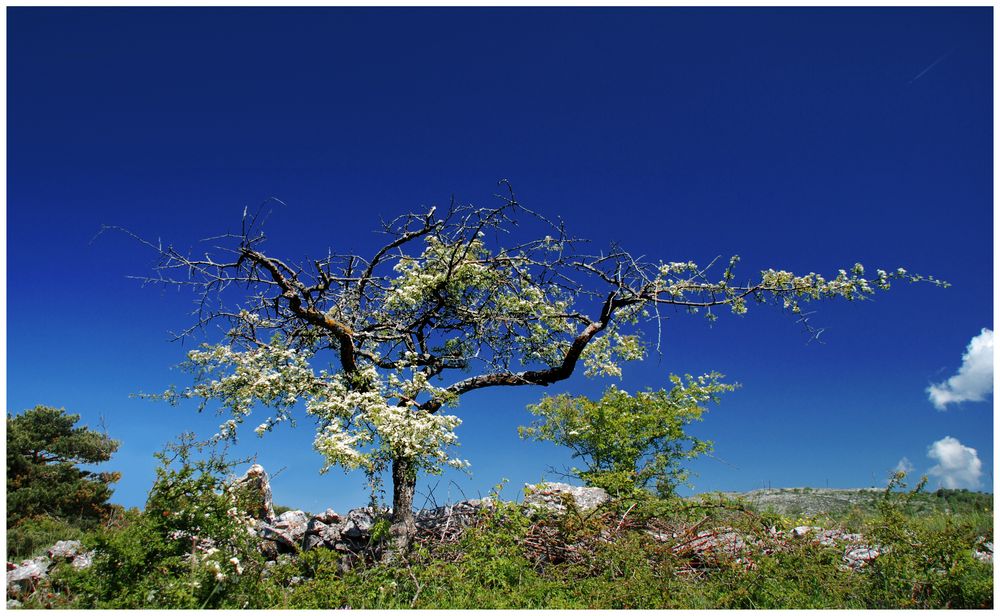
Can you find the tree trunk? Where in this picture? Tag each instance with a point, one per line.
(404, 482)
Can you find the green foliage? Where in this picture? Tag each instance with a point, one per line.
(32, 535)
(46, 490)
(280, 509)
(925, 562)
(190, 548)
(629, 443)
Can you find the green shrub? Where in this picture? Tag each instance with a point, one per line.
(190, 547)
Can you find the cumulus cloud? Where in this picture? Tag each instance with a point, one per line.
(957, 466)
(903, 466)
(973, 381)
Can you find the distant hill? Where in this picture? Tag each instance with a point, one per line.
(816, 501)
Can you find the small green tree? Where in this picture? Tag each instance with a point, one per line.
(44, 447)
(629, 443)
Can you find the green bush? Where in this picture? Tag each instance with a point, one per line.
(629, 443)
(189, 548)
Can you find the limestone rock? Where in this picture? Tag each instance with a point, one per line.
(859, 556)
(358, 523)
(983, 551)
(64, 550)
(294, 523)
(802, 531)
(269, 549)
(83, 560)
(27, 574)
(549, 496)
(451, 517)
(254, 490)
(717, 542)
(326, 533)
(282, 541)
(328, 517)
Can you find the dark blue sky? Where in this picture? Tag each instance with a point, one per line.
(804, 139)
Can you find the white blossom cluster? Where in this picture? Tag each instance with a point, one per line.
(686, 284)
(367, 419)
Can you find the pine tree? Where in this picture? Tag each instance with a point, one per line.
(43, 450)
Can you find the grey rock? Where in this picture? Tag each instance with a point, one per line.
(358, 523)
(316, 526)
(312, 542)
(254, 489)
(809, 501)
(27, 574)
(64, 550)
(13, 604)
(859, 556)
(720, 541)
(328, 517)
(294, 523)
(287, 532)
(549, 496)
(451, 517)
(983, 551)
(83, 560)
(318, 532)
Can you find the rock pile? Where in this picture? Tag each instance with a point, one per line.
(552, 496)
(293, 531)
(24, 577)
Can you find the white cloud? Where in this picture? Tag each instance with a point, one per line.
(958, 466)
(973, 381)
(903, 466)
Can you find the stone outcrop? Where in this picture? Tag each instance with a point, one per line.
(553, 496)
(983, 551)
(253, 490)
(442, 520)
(294, 531)
(23, 577)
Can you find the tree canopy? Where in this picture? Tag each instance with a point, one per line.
(44, 447)
(629, 442)
(455, 300)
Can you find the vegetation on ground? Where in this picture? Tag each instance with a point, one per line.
(190, 548)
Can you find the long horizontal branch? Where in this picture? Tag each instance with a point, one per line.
(536, 377)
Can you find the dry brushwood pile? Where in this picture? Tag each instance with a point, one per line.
(695, 546)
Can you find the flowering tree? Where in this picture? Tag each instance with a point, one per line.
(376, 348)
